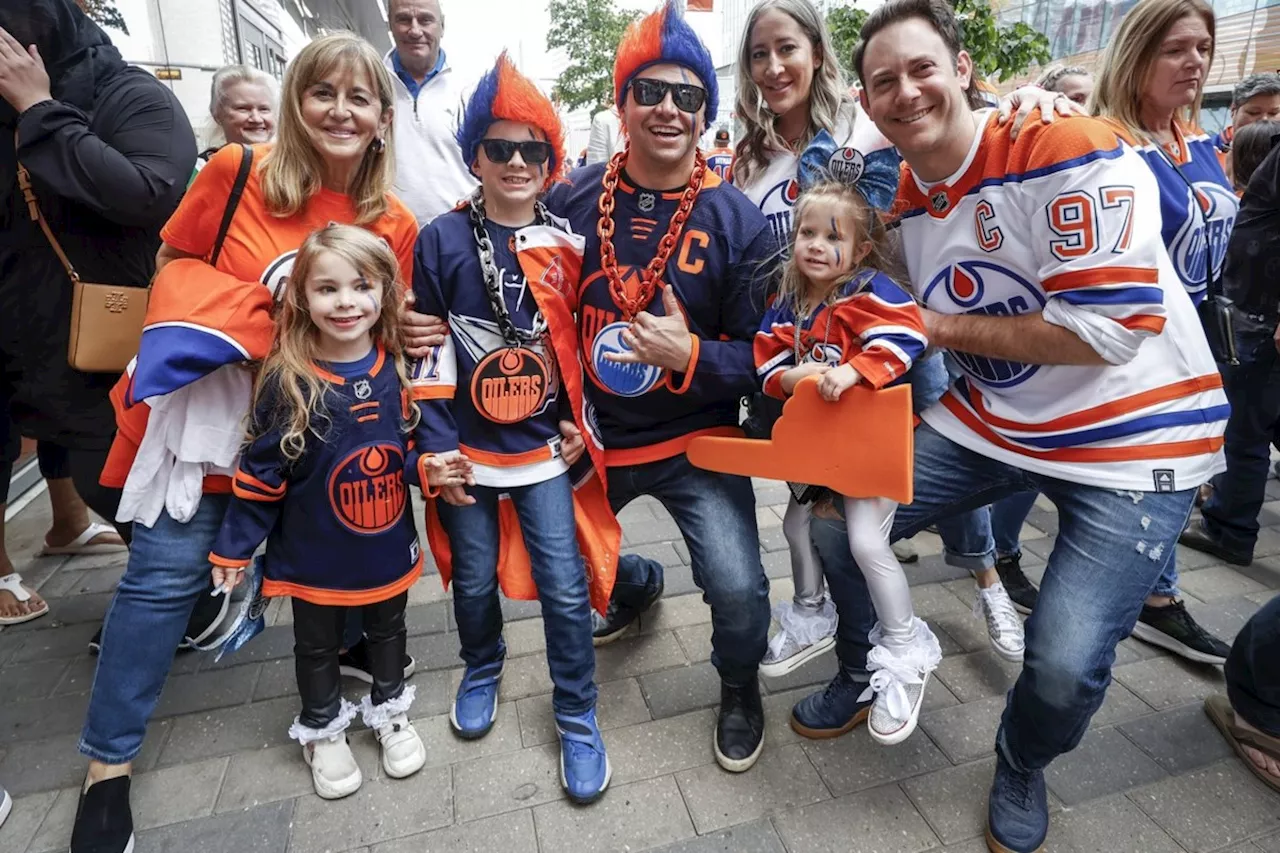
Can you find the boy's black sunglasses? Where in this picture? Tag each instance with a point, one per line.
(649, 92)
(502, 150)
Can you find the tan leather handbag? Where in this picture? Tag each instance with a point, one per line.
(106, 319)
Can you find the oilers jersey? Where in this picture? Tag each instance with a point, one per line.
(720, 161)
(719, 270)
(1195, 229)
(335, 520)
(871, 323)
(1065, 222)
(501, 406)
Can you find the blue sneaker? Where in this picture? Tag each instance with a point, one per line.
(1017, 810)
(584, 765)
(830, 713)
(476, 706)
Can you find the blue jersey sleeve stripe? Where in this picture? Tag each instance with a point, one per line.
(1116, 296)
(1165, 420)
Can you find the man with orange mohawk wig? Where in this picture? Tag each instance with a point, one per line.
(504, 389)
(673, 286)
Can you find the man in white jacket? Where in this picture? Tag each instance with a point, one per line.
(430, 174)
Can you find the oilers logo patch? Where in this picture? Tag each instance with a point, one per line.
(367, 490)
(825, 354)
(276, 275)
(509, 385)
(776, 207)
(1194, 244)
(846, 165)
(982, 287)
(625, 380)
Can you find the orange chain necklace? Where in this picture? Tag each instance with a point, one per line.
(651, 274)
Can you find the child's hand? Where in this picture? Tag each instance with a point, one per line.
(227, 578)
(791, 377)
(456, 496)
(573, 446)
(453, 470)
(838, 380)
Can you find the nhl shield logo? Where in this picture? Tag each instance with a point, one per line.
(362, 389)
(646, 202)
(939, 202)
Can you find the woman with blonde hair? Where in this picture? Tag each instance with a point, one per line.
(1150, 86)
(238, 228)
(1073, 81)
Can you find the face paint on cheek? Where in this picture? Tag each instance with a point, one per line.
(839, 257)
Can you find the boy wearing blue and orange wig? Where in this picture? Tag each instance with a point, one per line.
(505, 390)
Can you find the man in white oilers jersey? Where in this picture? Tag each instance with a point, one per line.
(1040, 265)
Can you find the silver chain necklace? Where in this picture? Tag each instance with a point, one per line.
(513, 336)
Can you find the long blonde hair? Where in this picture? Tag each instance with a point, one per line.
(291, 171)
(828, 95)
(1126, 65)
(868, 225)
(289, 370)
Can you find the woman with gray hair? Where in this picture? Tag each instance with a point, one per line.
(242, 104)
(1255, 98)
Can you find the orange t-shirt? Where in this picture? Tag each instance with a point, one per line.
(258, 247)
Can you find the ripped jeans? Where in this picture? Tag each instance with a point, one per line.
(1111, 549)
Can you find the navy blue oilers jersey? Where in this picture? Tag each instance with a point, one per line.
(719, 271)
(503, 415)
(335, 519)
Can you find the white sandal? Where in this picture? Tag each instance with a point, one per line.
(12, 584)
(80, 545)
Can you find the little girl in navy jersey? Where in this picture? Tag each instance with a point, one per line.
(324, 480)
(839, 318)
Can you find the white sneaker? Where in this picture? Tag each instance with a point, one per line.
(803, 635)
(1004, 628)
(898, 679)
(403, 753)
(334, 771)
(6, 805)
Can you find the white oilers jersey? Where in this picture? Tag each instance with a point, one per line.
(775, 190)
(1066, 221)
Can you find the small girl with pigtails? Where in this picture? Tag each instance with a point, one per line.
(838, 316)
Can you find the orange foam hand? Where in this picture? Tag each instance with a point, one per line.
(860, 446)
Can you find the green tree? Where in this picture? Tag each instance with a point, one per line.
(104, 13)
(998, 52)
(589, 32)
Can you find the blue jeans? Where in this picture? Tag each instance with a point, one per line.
(1007, 517)
(1253, 389)
(547, 524)
(1104, 564)
(966, 537)
(1253, 669)
(168, 571)
(717, 518)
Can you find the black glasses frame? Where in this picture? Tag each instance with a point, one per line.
(533, 152)
(648, 92)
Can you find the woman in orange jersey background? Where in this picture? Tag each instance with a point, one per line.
(332, 162)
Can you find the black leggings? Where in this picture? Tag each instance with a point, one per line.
(317, 638)
(56, 462)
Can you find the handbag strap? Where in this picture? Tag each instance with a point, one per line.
(33, 208)
(233, 201)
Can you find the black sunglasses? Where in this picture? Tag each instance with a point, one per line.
(502, 150)
(649, 92)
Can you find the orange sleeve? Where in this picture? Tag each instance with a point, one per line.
(402, 234)
(194, 225)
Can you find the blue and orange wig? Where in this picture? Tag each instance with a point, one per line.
(660, 37)
(506, 94)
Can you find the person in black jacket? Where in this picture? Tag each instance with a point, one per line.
(109, 151)
(1251, 278)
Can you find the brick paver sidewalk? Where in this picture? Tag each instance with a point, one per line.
(218, 774)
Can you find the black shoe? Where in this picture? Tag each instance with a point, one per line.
(1172, 627)
(1021, 591)
(354, 663)
(104, 823)
(740, 726)
(95, 642)
(1199, 539)
(617, 617)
